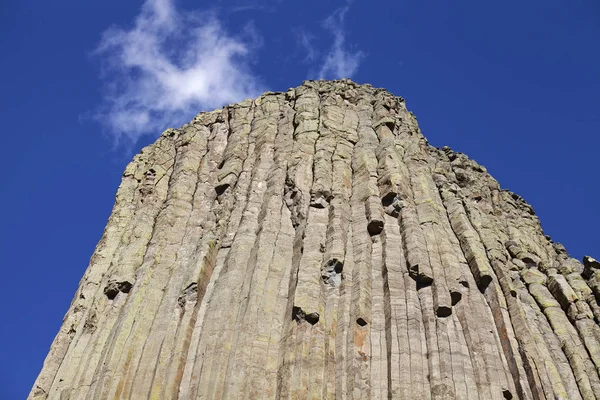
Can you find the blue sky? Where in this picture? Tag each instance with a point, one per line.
(85, 84)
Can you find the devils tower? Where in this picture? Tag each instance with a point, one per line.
(311, 244)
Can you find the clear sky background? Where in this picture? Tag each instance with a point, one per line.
(85, 84)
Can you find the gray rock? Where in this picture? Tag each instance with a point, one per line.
(312, 244)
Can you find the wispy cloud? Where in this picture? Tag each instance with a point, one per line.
(305, 42)
(340, 61)
(169, 66)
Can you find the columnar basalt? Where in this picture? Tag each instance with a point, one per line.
(312, 244)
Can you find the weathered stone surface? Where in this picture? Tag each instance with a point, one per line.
(312, 244)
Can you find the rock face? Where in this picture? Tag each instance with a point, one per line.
(312, 244)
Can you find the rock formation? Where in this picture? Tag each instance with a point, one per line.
(311, 244)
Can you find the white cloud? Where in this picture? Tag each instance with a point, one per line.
(340, 62)
(170, 66)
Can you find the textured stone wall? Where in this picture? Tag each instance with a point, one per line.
(311, 244)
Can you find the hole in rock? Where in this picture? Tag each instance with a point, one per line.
(455, 297)
(375, 227)
(220, 189)
(388, 199)
(484, 282)
(423, 281)
(125, 287)
(113, 288)
(312, 318)
(111, 292)
(529, 261)
(339, 266)
(443, 311)
(297, 313)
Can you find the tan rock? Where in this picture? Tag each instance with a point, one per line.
(312, 244)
